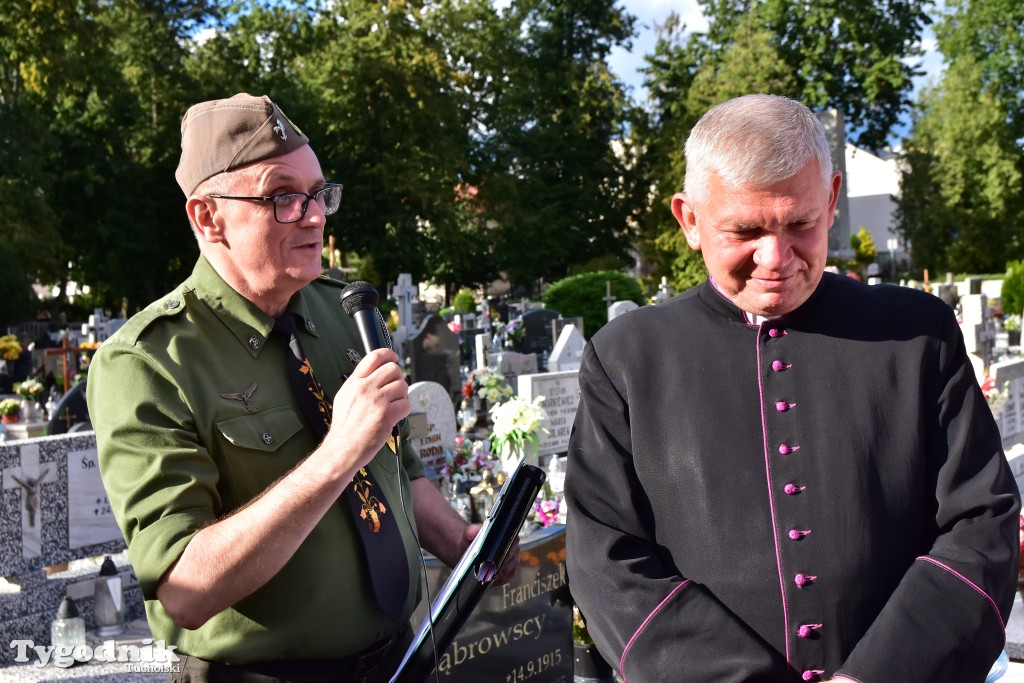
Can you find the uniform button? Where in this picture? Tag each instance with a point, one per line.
(792, 489)
(786, 449)
(268, 438)
(255, 342)
(173, 304)
(311, 326)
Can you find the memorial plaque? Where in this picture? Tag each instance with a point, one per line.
(90, 519)
(519, 632)
(561, 392)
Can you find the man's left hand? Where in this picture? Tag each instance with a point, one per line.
(508, 567)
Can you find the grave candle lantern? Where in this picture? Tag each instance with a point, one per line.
(68, 629)
(107, 602)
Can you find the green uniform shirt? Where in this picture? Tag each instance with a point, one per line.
(176, 454)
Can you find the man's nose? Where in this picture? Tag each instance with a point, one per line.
(773, 251)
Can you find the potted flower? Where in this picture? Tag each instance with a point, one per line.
(10, 348)
(588, 665)
(516, 426)
(31, 391)
(10, 410)
(1011, 324)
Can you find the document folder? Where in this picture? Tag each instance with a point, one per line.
(474, 573)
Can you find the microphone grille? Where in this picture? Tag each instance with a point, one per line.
(358, 296)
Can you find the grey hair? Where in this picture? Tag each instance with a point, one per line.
(754, 140)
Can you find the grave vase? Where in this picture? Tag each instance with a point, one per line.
(588, 666)
(31, 410)
(10, 419)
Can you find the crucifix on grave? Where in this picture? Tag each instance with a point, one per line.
(608, 299)
(66, 351)
(28, 478)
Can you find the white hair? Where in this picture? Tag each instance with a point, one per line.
(754, 140)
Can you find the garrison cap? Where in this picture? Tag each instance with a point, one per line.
(221, 135)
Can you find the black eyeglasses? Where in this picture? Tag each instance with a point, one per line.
(291, 207)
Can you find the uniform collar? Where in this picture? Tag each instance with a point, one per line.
(250, 326)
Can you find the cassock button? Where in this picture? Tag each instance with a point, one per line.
(782, 406)
(775, 333)
(812, 674)
(786, 449)
(792, 489)
(802, 580)
(779, 366)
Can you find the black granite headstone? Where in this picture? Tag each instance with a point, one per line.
(538, 337)
(435, 355)
(71, 413)
(521, 631)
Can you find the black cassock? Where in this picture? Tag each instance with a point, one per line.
(822, 494)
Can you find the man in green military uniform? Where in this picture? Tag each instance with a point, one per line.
(230, 502)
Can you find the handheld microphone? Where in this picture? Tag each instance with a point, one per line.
(359, 299)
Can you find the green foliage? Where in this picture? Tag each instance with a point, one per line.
(962, 203)
(1012, 294)
(583, 296)
(464, 301)
(863, 246)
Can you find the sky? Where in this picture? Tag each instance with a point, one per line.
(648, 12)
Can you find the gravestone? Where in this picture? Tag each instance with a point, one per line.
(482, 345)
(1008, 377)
(71, 413)
(537, 337)
(561, 392)
(434, 353)
(621, 308)
(979, 331)
(54, 510)
(432, 400)
(521, 631)
(664, 291)
(511, 365)
(403, 293)
(100, 327)
(561, 323)
(568, 351)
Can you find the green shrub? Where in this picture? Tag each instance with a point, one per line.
(582, 296)
(464, 301)
(1013, 288)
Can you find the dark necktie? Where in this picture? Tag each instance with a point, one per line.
(378, 530)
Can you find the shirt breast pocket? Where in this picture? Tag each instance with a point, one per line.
(264, 431)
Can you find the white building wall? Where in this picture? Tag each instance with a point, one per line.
(872, 186)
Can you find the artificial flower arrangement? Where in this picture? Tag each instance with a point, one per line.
(547, 508)
(515, 330)
(31, 389)
(467, 461)
(10, 347)
(488, 385)
(517, 424)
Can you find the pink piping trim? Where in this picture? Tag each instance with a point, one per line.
(969, 583)
(654, 612)
(771, 496)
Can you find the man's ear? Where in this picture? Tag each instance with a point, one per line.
(682, 209)
(203, 215)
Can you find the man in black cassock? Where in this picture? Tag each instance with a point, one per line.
(784, 474)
